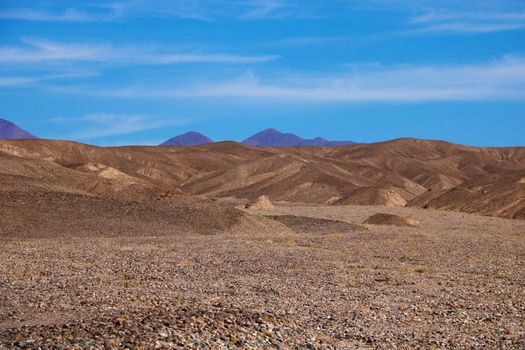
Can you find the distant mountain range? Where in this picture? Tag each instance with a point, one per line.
(268, 137)
(9, 130)
(272, 137)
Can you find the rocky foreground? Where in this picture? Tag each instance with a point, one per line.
(454, 281)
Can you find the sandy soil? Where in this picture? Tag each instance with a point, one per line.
(454, 282)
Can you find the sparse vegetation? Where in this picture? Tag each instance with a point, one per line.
(349, 266)
(184, 263)
(421, 269)
(500, 275)
(291, 243)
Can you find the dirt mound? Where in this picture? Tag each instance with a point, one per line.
(262, 203)
(42, 214)
(303, 224)
(390, 220)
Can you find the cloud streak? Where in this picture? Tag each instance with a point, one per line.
(109, 124)
(447, 17)
(40, 50)
(68, 15)
(14, 81)
(202, 10)
(309, 40)
(21, 80)
(469, 22)
(437, 17)
(501, 80)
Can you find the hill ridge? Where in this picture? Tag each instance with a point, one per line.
(411, 172)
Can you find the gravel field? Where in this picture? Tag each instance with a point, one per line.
(456, 281)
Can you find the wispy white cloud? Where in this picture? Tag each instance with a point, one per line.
(213, 10)
(470, 27)
(264, 9)
(204, 10)
(449, 16)
(309, 40)
(101, 125)
(21, 80)
(499, 80)
(40, 50)
(68, 15)
(429, 16)
(16, 81)
(478, 16)
(469, 22)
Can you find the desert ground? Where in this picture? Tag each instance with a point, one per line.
(452, 281)
(408, 244)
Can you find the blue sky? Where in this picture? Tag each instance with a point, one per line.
(138, 72)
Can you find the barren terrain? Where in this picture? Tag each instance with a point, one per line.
(404, 172)
(156, 247)
(456, 281)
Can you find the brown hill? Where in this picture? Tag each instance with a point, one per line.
(421, 173)
(48, 188)
(496, 195)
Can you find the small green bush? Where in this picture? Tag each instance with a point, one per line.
(420, 269)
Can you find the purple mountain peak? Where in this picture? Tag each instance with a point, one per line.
(9, 130)
(273, 137)
(191, 138)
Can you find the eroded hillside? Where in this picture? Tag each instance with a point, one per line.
(404, 172)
